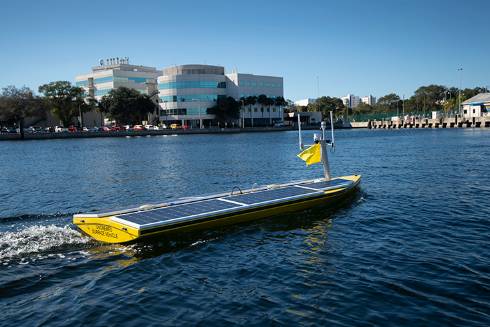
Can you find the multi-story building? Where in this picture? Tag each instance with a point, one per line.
(188, 91)
(369, 99)
(241, 86)
(351, 100)
(114, 73)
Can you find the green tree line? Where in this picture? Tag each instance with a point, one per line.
(424, 100)
(68, 103)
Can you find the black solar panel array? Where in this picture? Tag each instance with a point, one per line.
(208, 206)
(270, 195)
(178, 211)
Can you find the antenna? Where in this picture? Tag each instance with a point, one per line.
(331, 129)
(301, 146)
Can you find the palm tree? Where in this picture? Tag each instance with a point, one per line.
(280, 102)
(251, 101)
(263, 101)
(270, 102)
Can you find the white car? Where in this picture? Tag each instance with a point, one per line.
(151, 128)
(59, 129)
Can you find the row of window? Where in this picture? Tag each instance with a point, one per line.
(108, 79)
(184, 111)
(189, 98)
(81, 83)
(244, 95)
(247, 83)
(102, 92)
(192, 85)
(261, 109)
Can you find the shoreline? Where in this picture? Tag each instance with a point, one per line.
(75, 135)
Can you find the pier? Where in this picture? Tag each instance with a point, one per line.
(454, 122)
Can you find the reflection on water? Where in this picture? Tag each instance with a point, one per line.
(410, 248)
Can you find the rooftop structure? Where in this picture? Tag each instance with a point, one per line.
(113, 73)
(477, 106)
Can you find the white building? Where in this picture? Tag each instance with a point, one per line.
(351, 101)
(117, 72)
(369, 99)
(188, 91)
(304, 102)
(477, 106)
(241, 86)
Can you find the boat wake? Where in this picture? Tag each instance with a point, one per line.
(38, 239)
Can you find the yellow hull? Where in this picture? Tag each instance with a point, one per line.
(109, 231)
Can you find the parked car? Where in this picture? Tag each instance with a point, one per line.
(93, 129)
(49, 129)
(163, 126)
(279, 125)
(185, 126)
(104, 129)
(138, 128)
(116, 128)
(30, 129)
(72, 129)
(127, 127)
(60, 129)
(84, 129)
(151, 128)
(174, 126)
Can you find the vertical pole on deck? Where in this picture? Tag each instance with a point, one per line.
(324, 153)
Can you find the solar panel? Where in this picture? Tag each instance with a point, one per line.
(269, 195)
(176, 211)
(327, 184)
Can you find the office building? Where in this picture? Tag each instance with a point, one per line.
(351, 101)
(117, 72)
(187, 92)
(370, 100)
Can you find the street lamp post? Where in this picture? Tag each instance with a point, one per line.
(460, 86)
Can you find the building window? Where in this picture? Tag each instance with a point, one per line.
(273, 109)
(192, 85)
(255, 109)
(101, 80)
(473, 110)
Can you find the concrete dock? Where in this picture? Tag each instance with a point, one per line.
(476, 122)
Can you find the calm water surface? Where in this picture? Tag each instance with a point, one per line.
(412, 247)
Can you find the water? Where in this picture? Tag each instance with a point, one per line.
(411, 248)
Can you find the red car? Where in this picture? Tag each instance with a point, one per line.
(104, 129)
(138, 128)
(116, 129)
(72, 129)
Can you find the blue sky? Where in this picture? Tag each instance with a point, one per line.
(359, 47)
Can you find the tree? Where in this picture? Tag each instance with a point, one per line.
(127, 106)
(251, 101)
(280, 102)
(65, 101)
(363, 108)
(18, 104)
(227, 109)
(263, 101)
(326, 104)
(387, 103)
(430, 97)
